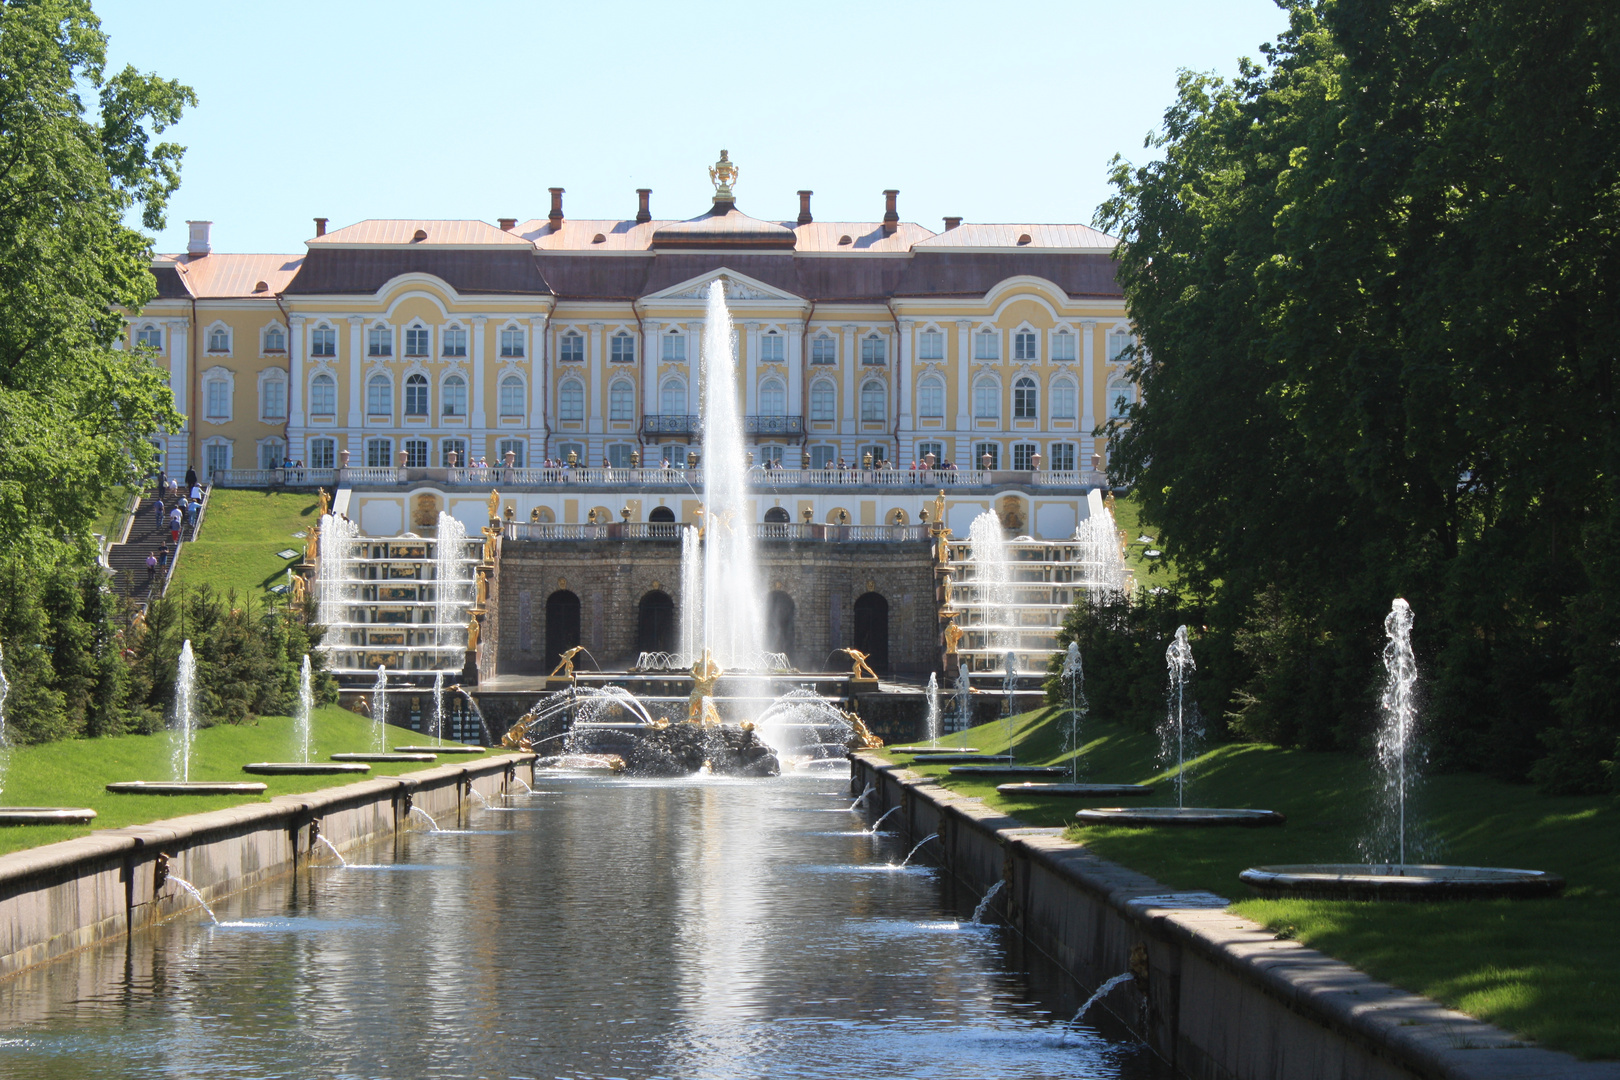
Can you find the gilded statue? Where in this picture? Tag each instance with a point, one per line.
(494, 506)
(953, 636)
(862, 672)
(565, 666)
(483, 591)
(863, 737)
(312, 543)
(722, 174)
(326, 504)
(517, 737)
(705, 673)
(472, 633)
(489, 546)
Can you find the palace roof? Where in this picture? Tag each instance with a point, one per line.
(224, 276)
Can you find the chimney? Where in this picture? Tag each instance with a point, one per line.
(320, 226)
(891, 216)
(804, 207)
(507, 223)
(951, 223)
(199, 238)
(556, 209)
(644, 209)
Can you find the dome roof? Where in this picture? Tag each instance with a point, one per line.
(725, 227)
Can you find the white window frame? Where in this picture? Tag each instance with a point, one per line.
(459, 445)
(453, 341)
(419, 448)
(986, 392)
(672, 346)
(931, 344)
(427, 395)
(315, 459)
(520, 447)
(424, 338)
(823, 350)
(220, 447)
(379, 378)
(320, 335)
(1065, 341)
(268, 378)
(621, 400)
(618, 454)
(1057, 453)
(622, 348)
(1119, 342)
(511, 402)
(380, 341)
(994, 450)
(216, 376)
(672, 388)
(383, 443)
(512, 343)
(874, 401)
(265, 458)
(453, 399)
(571, 400)
(265, 348)
(930, 386)
(987, 344)
(1065, 397)
(772, 348)
(314, 380)
(1025, 451)
(874, 351)
(772, 398)
(217, 331)
(570, 347)
(1121, 396)
(823, 400)
(1026, 398)
(146, 332)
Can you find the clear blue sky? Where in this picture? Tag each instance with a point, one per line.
(350, 110)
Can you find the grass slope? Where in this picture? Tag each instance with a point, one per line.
(1543, 969)
(239, 540)
(75, 772)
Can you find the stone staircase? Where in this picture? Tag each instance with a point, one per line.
(128, 559)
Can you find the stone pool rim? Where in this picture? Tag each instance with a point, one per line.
(187, 787)
(45, 815)
(1362, 881)
(1179, 817)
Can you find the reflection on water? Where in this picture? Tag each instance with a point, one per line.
(633, 930)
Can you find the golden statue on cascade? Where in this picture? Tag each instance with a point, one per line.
(699, 708)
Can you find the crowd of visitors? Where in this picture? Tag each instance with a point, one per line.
(176, 505)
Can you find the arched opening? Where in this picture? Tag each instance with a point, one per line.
(777, 515)
(872, 630)
(779, 623)
(562, 625)
(655, 623)
(662, 522)
(661, 513)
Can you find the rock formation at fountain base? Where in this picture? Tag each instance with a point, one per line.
(684, 749)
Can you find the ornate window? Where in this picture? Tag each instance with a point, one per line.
(935, 448)
(1063, 400)
(1025, 348)
(990, 448)
(930, 345)
(1121, 396)
(1119, 345)
(987, 345)
(416, 453)
(511, 341)
(622, 400)
(571, 348)
(1026, 399)
(823, 400)
(379, 341)
(673, 350)
(416, 400)
(379, 453)
(618, 455)
(571, 400)
(455, 341)
(379, 396)
(453, 396)
(416, 341)
(219, 340)
(275, 339)
(672, 398)
(217, 455)
(273, 396)
(1062, 457)
(323, 396)
(986, 400)
(931, 397)
(452, 446)
(1063, 345)
(513, 447)
(772, 398)
(1023, 456)
(150, 336)
(823, 349)
(217, 387)
(772, 348)
(323, 453)
(872, 401)
(821, 457)
(512, 396)
(623, 349)
(323, 341)
(874, 351)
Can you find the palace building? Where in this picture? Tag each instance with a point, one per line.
(388, 343)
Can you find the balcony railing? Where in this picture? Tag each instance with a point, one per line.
(670, 531)
(669, 424)
(773, 425)
(255, 478)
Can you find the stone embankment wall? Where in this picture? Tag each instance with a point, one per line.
(61, 897)
(1218, 996)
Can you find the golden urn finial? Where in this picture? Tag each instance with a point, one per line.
(722, 174)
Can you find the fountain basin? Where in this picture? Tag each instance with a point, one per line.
(1188, 816)
(965, 759)
(303, 768)
(44, 815)
(1075, 791)
(439, 749)
(186, 787)
(1360, 881)
(1007, 770)
(384, 757)
(934, 751)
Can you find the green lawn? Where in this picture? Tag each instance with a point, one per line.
(1543, 969)
(111, 521)
(1149, 572)
(76, 772)
(240, 536)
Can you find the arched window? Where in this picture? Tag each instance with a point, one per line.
(1063, 400)
(986, 400)
(453, 397)
(379, 397)
(1063, 345)
(219, 340)
(672, 398)
(1026, 399)
(273, 396)
(622, 400)
(823, 349)
(571, 348)
(1121, 396)
(151, 336)
(323, 396)
(570, 400)
(772, 398)
(416, 396)
(623, 349)
(674, 349)
(512, 396)
(872, 403)
(379, 341)
(778, 515)
(1119, 344)
(1025, 347)
(873, 350)
(416, 343)
(931, 397)
(987, 345)
(323, 341)
(455, 341)
(275, 339)
(823, 400)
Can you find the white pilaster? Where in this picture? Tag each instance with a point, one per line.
(539, 364)
(477, 424)
(357, 392)
(180, 387)
(295, 378)
(903, 360)
(795, 362)
(598, 360)
(751, 367)
(650, 346)
(694, 368)
(1088, 419)
(964, 380)
(850, 415)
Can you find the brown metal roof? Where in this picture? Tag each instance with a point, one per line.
(364, 271)
(1062, 237)
(229, 275)
(864, 236)
(169, 285)
(724, 228)
(440, 233)
(581, 234)
(949, 273)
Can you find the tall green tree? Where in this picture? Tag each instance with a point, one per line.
(1373, 279)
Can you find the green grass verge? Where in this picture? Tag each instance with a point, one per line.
(111, 521)
(239, 540)
(1543, 969)
(1149, 572)
(76, 772)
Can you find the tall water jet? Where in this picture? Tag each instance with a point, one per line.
(964, 699)
(379, 709)
(1009, 686)
(1397, 756)
(1073, 679)
(933, 709)
(1181, 729)
(731, 619)
(5, 744)
(992, 580)
(306, 706)
(339, 536)
(691, 594)
(438, 708)
(183, 724)
(452, 580)
(1102, 559)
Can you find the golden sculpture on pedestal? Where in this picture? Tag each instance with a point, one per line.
(722, 174)
(326, 504)
(705, 673)
(868, 741)
(472, 633)
(565, 666)
(312, 544)
(862, 672)
(494, 507)
(953, 636)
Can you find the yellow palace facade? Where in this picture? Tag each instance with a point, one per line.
(420, 344)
